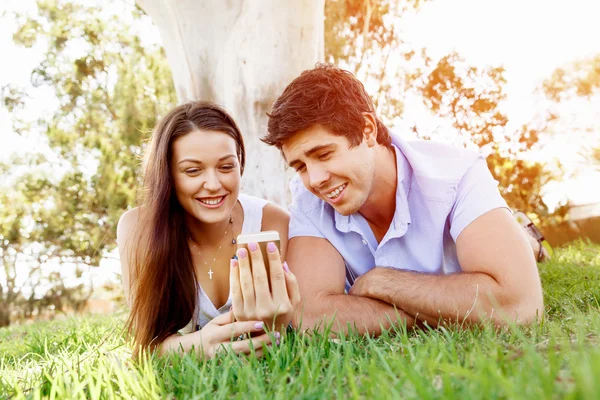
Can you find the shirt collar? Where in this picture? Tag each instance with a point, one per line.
(401, 217)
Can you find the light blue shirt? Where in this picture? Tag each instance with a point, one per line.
(441, 189)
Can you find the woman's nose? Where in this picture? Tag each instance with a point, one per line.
(212, 182)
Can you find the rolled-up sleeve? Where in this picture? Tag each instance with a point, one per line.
(301, 225)
(476, 194)
(300, 222)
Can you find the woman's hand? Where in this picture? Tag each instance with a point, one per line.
(218, 335)
(251, 297)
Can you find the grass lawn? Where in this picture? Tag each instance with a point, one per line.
(88, 357)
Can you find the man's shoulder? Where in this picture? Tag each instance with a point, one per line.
(436, 160)
(441, 150)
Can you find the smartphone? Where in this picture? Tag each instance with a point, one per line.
(261, 238)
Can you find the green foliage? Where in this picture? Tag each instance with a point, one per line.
(557, 358)
(111, 88)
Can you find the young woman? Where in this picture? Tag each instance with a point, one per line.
(177, 247)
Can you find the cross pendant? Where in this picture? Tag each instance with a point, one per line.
(210, 273)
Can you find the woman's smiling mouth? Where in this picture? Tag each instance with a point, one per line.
(211, 202)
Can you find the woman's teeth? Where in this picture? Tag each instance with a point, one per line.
(212, 202)
(336, 192)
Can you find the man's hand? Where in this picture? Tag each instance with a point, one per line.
(365, 284)
(498, 282)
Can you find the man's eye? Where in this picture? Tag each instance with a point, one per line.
(300, 168)
(325, 155)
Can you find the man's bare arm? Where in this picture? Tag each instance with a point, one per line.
(499, 281)
(321, 275)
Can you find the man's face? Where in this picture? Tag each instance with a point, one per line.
(333, 171)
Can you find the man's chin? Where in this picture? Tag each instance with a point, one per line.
(343, 209)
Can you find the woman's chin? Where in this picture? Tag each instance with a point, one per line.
(207, 215)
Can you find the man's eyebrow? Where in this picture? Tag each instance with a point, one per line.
(200, 162)
(312, 151)
(293, 163)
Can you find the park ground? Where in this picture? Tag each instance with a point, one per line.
(558, 357)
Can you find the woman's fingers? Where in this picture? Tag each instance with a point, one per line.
(246, 282)
(235, 329)
(260, 278)
(278, 284)
(259, 353)
(245, 346)
(237, 299)
(220, 320)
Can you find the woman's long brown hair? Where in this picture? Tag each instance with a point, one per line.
(163, 281)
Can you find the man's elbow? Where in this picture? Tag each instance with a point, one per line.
(521, 311)
(530, 310)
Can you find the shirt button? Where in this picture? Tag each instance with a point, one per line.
(364, 242)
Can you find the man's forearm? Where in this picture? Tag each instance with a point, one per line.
(346, 312)
(462, 297)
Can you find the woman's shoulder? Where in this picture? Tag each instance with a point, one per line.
(275, 218)
(270, 211)
(273, 212)
(249, 201)
(127, 223)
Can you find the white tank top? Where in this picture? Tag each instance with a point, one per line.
(205, 309)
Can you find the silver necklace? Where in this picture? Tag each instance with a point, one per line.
(210, 271)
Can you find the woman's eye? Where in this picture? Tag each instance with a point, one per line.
(192, 171)
(227, 167)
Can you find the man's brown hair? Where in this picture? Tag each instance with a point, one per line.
(326, 96)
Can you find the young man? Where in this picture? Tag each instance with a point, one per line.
(416, 230)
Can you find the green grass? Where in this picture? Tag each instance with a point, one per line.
(558, 358)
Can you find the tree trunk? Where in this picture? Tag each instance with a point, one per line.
(4, 314)
(241, 54)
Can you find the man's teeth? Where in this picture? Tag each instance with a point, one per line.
(211, 202)
(336, 192)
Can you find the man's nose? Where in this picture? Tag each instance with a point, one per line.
(317, 176)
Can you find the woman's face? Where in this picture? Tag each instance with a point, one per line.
(206, 174)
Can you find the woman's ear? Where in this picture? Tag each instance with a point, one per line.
(370, 129)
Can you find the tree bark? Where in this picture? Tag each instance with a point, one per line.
(4, 315)
(241, 55)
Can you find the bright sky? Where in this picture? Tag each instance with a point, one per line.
(530, 38)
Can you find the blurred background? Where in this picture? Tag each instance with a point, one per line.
(82, 84)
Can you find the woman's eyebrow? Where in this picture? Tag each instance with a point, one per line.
(200, 162)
